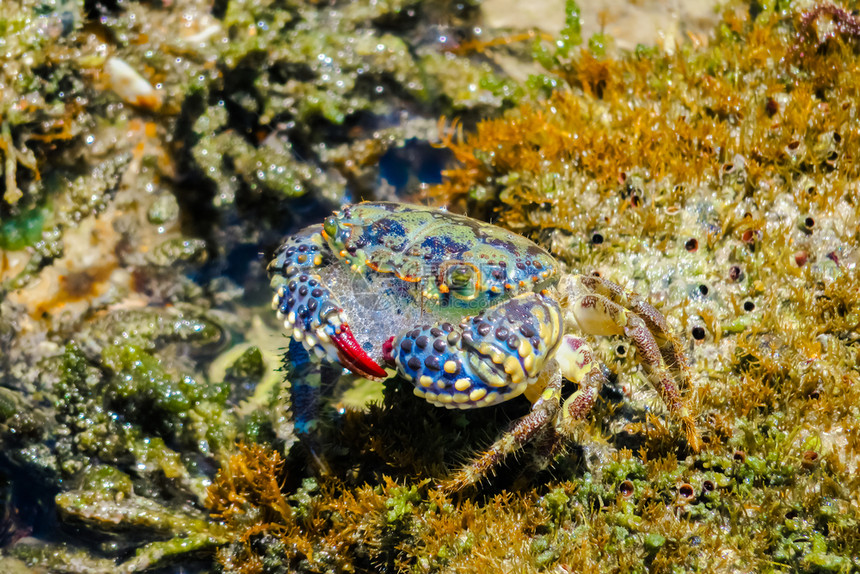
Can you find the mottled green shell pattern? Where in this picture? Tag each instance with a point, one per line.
(448, 260)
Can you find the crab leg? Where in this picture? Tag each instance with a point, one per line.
(574, 361)
(310, 379)
(597, 314)
(305, 397)
(309, 309)
(523, 431)
(670, 346)
(577, 363)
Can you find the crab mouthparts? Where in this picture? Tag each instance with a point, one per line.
(388, 351)
(353, 357)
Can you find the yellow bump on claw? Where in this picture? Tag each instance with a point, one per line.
(425, 381)
(529, 364)
(513, 367)
(450, 367)
(318, 260)
(445, 399)
(525, 349)
(487, 373)
(463, 385)
(477, 395)
(418, 392)
(461, 398)
(544, 331)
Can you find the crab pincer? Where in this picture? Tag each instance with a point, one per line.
(353, 357)
(310, 311)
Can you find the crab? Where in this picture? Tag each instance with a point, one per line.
(470, 313)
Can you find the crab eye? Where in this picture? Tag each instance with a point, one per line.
(460, 277)
(462, 281)
(330, 226)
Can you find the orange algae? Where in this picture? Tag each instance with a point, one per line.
(676, 119)
(246, 496)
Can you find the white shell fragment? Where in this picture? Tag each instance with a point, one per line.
(131, 86)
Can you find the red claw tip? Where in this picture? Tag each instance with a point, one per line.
(353, 357)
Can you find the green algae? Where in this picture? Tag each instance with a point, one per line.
(32, 103)
(261, 168)
(106, 498)
(23, 230)
(301, 66)
(105, 502)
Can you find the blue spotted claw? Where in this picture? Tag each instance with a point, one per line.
(310, 311)
(487, 359)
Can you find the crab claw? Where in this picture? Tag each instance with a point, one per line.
(353, 357)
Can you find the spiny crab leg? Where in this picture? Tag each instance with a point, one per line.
(600, 307)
